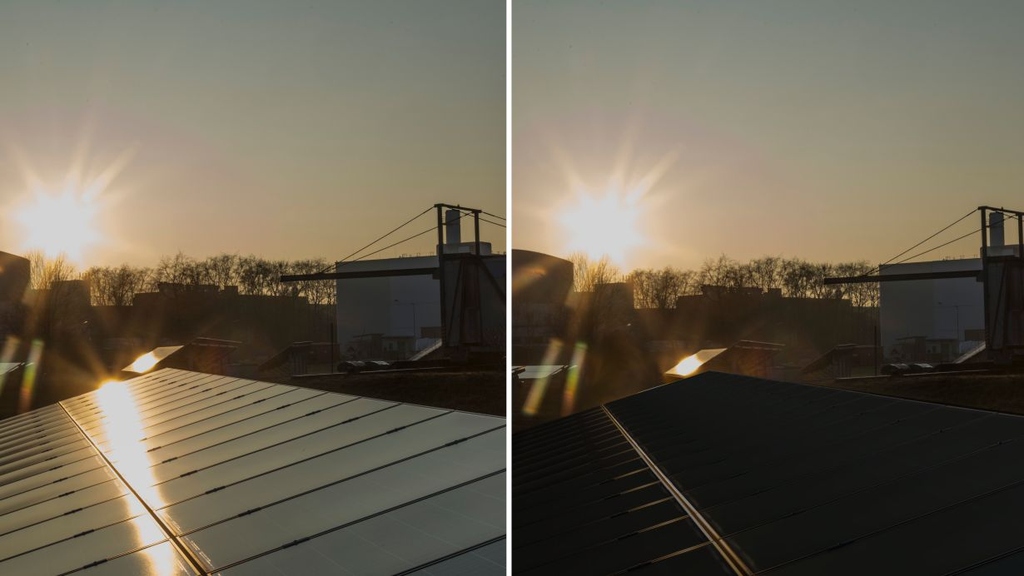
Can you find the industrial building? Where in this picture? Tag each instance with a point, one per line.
(941, 313)
(393, 309)
(933, 319)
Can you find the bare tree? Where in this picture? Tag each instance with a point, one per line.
(258, 276)
(797, 277)
(58, 302)
(658, 288)
(318, 292)
(817, 287)
(861, 294)
(766, 272)
(587, 273)
(174, 269)
(718, 271)
(739, 276)
(118, 286)
(222, 270)
(46, 272)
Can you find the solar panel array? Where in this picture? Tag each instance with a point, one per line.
(791, 479)
(182, 473)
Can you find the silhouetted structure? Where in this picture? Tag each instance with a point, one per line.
(928, 320)
(541, 284)
(208, 355)
(263, 324)
(720, 316)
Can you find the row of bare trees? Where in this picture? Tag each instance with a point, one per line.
(117, 285)
(794, 277)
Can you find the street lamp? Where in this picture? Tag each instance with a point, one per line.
(413, 304)
(956, 310)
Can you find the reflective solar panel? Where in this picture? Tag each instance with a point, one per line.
(181, 473)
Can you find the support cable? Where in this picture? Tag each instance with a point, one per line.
(499, 224)
(959, 220)
(431, 229)
(972, 232)
(406, 223)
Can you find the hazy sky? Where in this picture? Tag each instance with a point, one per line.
(828, 130)
(283, 129)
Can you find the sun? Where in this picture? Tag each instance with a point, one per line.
(604, 224)
(59, 223)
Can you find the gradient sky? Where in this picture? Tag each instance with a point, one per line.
(282, 129)
(827, 130)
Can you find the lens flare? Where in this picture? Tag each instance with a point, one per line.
(28, 383)
(536, 395)
(572, 380)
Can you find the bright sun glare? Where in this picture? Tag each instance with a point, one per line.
(59, 223)
(604, 225)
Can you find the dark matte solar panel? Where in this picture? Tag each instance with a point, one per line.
(598, 510)
(794, 479)
(622, 553)
(798, 482)
(244, 475)
(1010, 563)
(594, 534)
(705, 560)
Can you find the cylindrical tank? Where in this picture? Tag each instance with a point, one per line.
(995, 229)
(453, 227)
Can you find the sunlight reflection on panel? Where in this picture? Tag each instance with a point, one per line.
(123, 427)
(536, 395)
(572, 380)
(144, 363)
(688, 366)
(161, 560)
